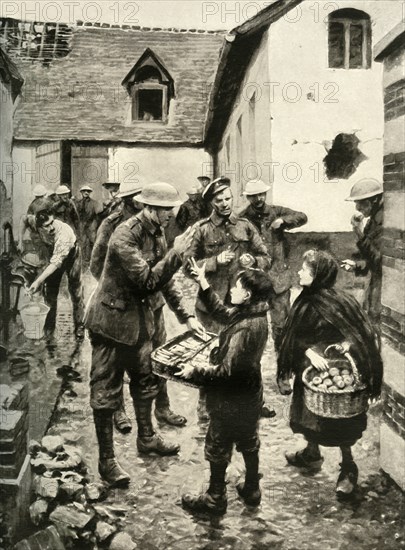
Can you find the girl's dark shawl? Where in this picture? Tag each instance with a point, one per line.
(343, 312)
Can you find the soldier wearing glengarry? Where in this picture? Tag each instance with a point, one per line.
(125, 321)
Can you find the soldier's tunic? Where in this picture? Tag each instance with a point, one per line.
(88, 211)
(104, 233)
(38, 204)
(125, 313)
(67, 212)
(191, 211)
(370, 249)
(109, 206)
(277, 246)
(215, 235)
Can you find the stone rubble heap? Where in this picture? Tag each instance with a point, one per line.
(66, 499)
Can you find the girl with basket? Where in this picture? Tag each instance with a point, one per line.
(323, 318)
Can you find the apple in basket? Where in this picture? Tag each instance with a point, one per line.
(333, 371)
(317, 380)
(348, 379)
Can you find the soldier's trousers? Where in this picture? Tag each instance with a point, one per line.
(279, 310)
(111, 359)
(72, 266)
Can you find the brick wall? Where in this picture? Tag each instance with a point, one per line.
(394, 409)
(391, 51)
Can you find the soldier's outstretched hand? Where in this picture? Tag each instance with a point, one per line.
(183, 242)
(195, 325)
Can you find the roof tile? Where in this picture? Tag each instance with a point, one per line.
(80, 96)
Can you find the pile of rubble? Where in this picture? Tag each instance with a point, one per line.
(67, 499)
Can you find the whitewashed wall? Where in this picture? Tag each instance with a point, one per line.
(179, 166)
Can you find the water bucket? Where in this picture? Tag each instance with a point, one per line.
(33, 316)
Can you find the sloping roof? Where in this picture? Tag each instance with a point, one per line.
(80, 96)
(390, 42)
(10, 74)
(240, 45)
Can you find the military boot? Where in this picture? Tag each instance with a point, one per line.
(121, 421)
(155, 444)
(109, 469)
(214, 500)
(148, 441)
(163, 412)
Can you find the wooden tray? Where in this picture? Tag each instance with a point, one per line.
(185, 348)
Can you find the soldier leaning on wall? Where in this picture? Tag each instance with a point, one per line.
(367, 195)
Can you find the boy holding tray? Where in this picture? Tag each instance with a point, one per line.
(234, 386)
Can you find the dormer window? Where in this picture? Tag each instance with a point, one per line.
(349, 39)
(151, 88)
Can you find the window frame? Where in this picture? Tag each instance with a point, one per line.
(347, 22)
(135, 101)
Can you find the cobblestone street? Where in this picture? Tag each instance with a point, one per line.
(297, 512)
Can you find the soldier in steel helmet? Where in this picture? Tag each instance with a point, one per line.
(193, 209)
(88, 210)
(125, 322)
(113, 202)
(367, 195)
(64, 209)
(128, 208)
(40, 202)
(272, 221)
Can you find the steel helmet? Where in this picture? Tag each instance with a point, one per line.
(204, 180)
(364, 189)
(159, 194)
(62, 190)
(86, 188)
(39, 191)
(111, 185)
(129, 188)
(254, 187)
(195, 189)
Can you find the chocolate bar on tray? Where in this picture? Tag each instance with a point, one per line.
(187, 348)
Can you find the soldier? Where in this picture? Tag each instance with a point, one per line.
(40, 202)
(193, 209)
(64, 209)
(230, 244)
(272, 221)
(88, 210)
(112, 203)
(65, 257)
(129, 207)
(367, 195)
(125, 322)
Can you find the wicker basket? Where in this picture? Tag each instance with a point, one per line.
(186, 348)
(332, 403)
